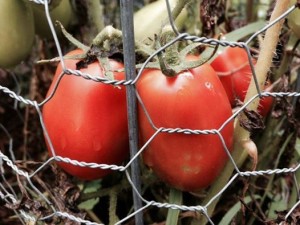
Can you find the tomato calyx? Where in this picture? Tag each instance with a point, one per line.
(108, 41)
(90, 57)
(172, 61)
(106, 44)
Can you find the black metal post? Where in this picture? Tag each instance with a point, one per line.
(129, 61)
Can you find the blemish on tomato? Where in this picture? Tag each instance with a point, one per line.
(208, 85)
(97, 146)
(190, 170)
(63, 144)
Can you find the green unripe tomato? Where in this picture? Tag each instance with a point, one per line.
(294, 20)
(16, 32)
(62, 13)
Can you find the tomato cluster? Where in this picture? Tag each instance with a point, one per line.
(87, 121)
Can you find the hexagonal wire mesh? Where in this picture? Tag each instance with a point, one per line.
(8, 195)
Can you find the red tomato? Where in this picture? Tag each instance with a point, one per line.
(193, 99)
(234, 71)
(87, 120)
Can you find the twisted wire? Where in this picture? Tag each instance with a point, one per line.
(268, 172)
(13, 95)
(8, 196)
(25, 215)
(188, 131)
(88, 164)
(13, 166)
(213, 41)
(178, 207)
(281, 94)
(97, 78)
(74, 218)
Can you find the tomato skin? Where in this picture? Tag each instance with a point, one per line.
(194, 99)
(87, 120)
(235, 74)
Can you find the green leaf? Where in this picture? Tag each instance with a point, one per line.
(90, 187)
(280, 200)
(88, 204)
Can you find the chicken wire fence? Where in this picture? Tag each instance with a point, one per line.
(27, 216)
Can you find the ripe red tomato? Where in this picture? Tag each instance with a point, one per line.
(194, 99)
(87, 120)
(234, 71)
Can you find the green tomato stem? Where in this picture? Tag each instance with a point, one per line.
(175, 197)
(170, 58)
(261, 69)
(172, 54)
(113, 197)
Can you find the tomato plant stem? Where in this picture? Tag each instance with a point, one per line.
(168, 35)
(170, 58)
(261, 69)
(175, 197)
(113, 218)
(268, 48)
